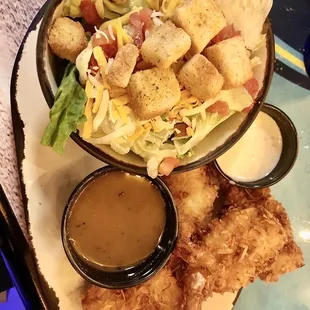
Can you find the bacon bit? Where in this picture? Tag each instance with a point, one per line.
(167, 165)
(220, 107)
(140, 21)
(252, 87)
(182, 129)
(227, 33)
(145, 17)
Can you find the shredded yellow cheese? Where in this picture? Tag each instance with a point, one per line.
(89, 89)
(115, 115)
(189, 131)
(123, 112)
(101, 60)
(139, 131)
(87, 128)
(126, 37)
(121, 100)
(98, 99)
(116, 92)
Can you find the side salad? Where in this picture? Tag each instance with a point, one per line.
(142, 79)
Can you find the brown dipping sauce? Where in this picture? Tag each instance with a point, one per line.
(117, 220)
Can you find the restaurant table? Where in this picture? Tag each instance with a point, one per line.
(291, 24)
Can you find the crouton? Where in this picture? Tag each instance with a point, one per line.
(123, 66)
(67, 38)
(232, 61)
(153, 92)
(165, 45)
(201, 19)
(201, 78)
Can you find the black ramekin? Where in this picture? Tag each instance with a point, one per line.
(288, 156)
(142, 271)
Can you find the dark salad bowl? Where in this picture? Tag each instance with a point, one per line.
(51, 69)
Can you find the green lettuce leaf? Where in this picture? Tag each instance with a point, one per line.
(67, 111)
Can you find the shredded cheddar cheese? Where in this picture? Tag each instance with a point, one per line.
(100, 58)
(89, 89)
(139, 131)
(123, 112)
(189, 131)
(87, 128)
(121, 100)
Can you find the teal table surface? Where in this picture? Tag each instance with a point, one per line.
(290, 91)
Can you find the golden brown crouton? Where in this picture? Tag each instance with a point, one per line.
(67, 38)
(153, 92)
(123, 65)
(201, 19)
(231, 59)
(201, 78)
(165, 45)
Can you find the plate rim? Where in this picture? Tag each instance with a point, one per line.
(45, 293)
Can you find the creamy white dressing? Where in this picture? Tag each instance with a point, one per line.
(256, 154)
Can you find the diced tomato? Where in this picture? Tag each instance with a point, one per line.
(181, 127)
(137, 25)
(226, 33)
(252, 87)
(167, 165)
(140, 21)
(108, 46)
(220, 107)
(89, 12)
(110, 50)
(145, 17)
(99, 40)
(248, 109)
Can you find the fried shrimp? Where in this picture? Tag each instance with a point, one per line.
(194, 193)
(290, 256)
(236, 248)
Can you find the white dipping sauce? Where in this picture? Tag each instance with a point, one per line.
(256, 154)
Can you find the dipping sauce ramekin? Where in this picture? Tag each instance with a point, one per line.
(119, 275)
(287, 157)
